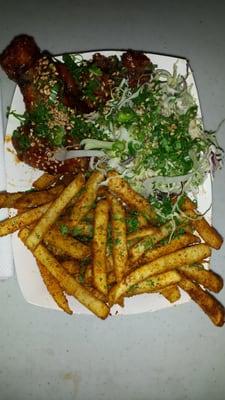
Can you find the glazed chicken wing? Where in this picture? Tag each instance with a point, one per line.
(56, 92)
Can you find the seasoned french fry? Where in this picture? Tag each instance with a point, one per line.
(111, 278)
(142, 221)
(99, 246)
(142, 233)
(35, 199)
(109, 263)
(74, 268)
(206, 301)
(84, 227)
(11, 225)
(117, 258)
(67, 282)
(136, 251)
(60, 254)
(23, 200)
(54, 211)
(7, 199)
(102, 191)
(86, 199)
(131, 243)
(188, 204)
(119, 246)
(175, 244)
(71, 266)
(88, 275)
(171, 293)
(186, 256)
(68, 245)
(135, 221)
(70, 285)
(89, 217)
(209, 279)
(81, 229)
(96, 293)
(44, 181)
(54, 288)
(207, 232)
(154, 283)
(123, 190)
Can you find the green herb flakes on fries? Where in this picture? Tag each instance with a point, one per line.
(104, 246)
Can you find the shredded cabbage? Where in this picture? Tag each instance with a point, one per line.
(155, 138)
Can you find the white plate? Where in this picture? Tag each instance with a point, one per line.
(21, 176)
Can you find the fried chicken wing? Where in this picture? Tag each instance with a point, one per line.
(38, 75)
(55, 92)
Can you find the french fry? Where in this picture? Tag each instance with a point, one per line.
(109, 263)
(56, 251)
(171, 293)
(67, 244)
(135, 221)
(74, 268)
(102, 191)
(24, 200)
(131, 243)
(119, 246)
(123, 190)
(67, 282)
(37, 198)
(54, 211)
(136, 251)
(175, 244)
(134, 262)
(60, 254)
(99, 246)
(84, 227)
(111, 278)
(142, 233)
(70, 285)
(81, 229)
(89, 217)
(7, 199)
(12, 224)
(86, 199)
(207, 232)
(154, 283)
(206, 301)
(88, 275)
(44, 181)
(71, 266)
(54, 288)
(188, 204)
(209, 279)
(96, 293)
(186, 256)
(142, 221)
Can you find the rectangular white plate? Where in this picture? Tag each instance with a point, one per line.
(21, 176)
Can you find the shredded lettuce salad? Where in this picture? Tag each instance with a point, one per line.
(152, 135)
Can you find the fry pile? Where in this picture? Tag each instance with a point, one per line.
(79, 231)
